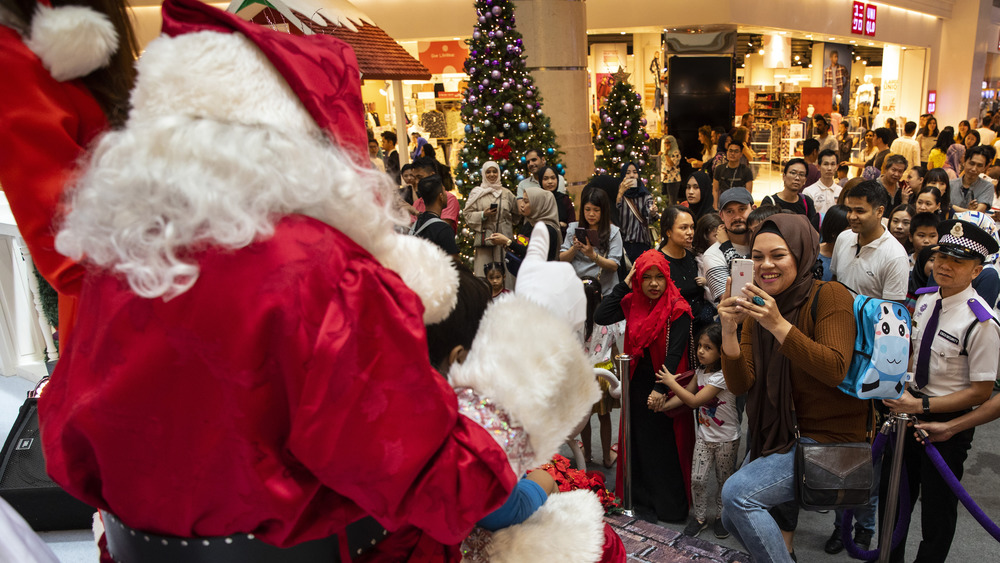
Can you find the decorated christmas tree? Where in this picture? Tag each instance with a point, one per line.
(503, 110)
(623, 136)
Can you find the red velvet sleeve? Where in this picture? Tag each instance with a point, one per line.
(45, 126)
(389, 436)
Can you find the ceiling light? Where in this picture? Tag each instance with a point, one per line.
(865, 62)
(750, 43)
(797, 57)
(810, 65)
(783, 32)
(831, 38)
(761, 52)
(871, 43)
(852, 41)
(747, 55)
(623, 33)
(809, 36)
(857, 58)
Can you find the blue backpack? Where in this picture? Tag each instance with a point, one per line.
(881, 349)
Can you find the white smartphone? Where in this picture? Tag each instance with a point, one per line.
(742, 274)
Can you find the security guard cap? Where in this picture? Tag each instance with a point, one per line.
(962, 239)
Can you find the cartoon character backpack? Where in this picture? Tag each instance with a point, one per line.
(881, 349)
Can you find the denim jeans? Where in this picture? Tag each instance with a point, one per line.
(746, 497)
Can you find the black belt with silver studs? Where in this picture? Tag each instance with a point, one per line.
(128, 545)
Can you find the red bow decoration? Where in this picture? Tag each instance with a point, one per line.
(500, 150)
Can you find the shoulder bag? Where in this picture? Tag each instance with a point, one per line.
(654, 236)
(832, 476)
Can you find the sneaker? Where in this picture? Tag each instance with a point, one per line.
(834, 545)
(863, 538)
(695, 527)
(720, 529)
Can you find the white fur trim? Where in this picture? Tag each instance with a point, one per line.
(98, 527)
(72, 41)
(221, 76)
(568, 527)
(527, 360)
(428, 271)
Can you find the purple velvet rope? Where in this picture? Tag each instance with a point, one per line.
(960, 492)
(903, 512)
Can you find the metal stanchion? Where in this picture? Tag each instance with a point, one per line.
(898, 423)
(623, 363)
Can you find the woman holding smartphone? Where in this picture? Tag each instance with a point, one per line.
(490, 208)
(636, 210)
(593, 245)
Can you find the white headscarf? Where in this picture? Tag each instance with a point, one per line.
(486, 187)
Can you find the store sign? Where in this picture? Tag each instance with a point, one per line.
(931, 101)
(443, 57)
(863, 18)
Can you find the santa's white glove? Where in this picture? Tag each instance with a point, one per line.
(553, 285)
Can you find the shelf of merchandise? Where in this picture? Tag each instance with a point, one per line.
(766, 107)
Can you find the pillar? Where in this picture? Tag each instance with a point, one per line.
(961, 61)
(555, 46)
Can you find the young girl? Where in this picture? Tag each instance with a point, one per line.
(717, 427)
(899, 225)
(938, 178)
(706, 233)
(598, 342)
(495, 275)
(657, 332)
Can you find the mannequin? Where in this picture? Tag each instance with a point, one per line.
(866, 97)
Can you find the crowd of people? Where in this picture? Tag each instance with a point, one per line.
(909, 220)
(190, 284)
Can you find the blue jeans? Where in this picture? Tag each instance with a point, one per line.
(746, 497)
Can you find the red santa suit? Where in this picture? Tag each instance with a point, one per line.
(47, 119)
(286, 391)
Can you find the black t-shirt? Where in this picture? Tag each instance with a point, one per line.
(438, 232)
(804, 206)
(732, 177)
(683, 272)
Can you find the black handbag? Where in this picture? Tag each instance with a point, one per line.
(833, 476)
(26, 486)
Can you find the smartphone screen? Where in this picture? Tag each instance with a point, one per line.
(742, 274)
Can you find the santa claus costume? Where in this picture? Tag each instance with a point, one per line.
(49, 115)
(254, 384)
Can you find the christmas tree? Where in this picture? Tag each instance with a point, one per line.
(503, 110)
(623, 136)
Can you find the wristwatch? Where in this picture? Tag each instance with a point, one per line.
(927, 404)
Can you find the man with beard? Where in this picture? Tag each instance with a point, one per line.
(736, 204)
(536, 160)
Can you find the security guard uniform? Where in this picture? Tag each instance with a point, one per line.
(963, 347)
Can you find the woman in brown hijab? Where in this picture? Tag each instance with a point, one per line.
(789, 364)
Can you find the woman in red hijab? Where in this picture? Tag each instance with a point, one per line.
(658, 326)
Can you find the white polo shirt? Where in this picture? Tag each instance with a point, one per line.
(878, 269)
(948, 370)
(822, 195)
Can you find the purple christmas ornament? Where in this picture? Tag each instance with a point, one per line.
(530, 107)
(499, 34)
(628, 123)
(497, 10)
(485, 82)
(496, 75)
(620, 147)
(530, 93)
(508, 107)
(624, 132)
(482, 19)
(607, 121)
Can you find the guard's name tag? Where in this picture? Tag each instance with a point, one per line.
(948, 337)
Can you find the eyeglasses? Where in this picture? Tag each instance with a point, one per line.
(797, 174)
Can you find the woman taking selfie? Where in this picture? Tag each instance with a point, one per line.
(636, 211)
(789, 364)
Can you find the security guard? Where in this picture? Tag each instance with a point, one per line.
(954, 352)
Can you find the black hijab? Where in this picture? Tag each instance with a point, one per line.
(704, 206)
(639, 190)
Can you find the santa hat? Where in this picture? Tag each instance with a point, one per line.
(205, 76)
(71, 41)
(210, 64)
